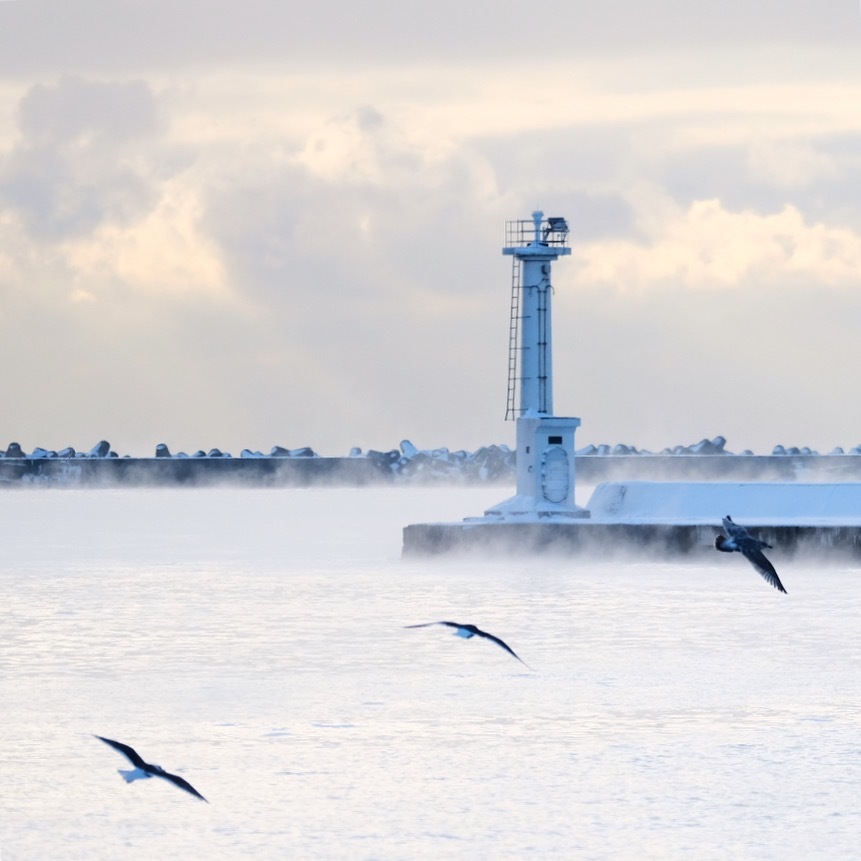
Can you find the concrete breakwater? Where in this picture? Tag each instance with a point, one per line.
(493, 464)
(141, 471)
(666, 519)
(606, 541)
(103, 468)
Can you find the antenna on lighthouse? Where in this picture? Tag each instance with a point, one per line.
(545, 443)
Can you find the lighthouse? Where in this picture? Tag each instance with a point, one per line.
(545, 442)
(664, 517)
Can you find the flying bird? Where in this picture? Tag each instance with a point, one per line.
(467, 631)
(143, 770)
(738, 538)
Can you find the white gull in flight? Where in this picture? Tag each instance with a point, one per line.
(467, 631)
(143, 770)
(751, 548)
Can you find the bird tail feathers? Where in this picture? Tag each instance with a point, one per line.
(133, 774)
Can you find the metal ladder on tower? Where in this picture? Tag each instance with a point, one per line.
(513, 334)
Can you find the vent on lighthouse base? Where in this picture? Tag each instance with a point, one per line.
(555, 474)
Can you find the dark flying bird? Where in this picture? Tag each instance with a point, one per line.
(749, 547)
(467, 631)
(143, 770)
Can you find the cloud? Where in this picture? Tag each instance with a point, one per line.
(101, 36)
(77, 162)
(790, 163)
(240, 224)
(164, 252)
(709, 247)
(76, 112)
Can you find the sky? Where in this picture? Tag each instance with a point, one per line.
(241, 225)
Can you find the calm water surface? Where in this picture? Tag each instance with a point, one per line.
(252, 641)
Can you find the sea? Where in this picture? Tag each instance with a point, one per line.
(253, 641)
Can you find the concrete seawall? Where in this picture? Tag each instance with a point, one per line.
(666, 519)
(394, 466)
(642, 541)
(193, 471)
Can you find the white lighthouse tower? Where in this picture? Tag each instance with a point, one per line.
(545, 443)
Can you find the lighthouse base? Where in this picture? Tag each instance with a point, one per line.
(518, 509)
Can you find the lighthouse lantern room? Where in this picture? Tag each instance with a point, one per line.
(545, 443)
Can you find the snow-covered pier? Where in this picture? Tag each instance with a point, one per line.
(663, 518)
(640, 541)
